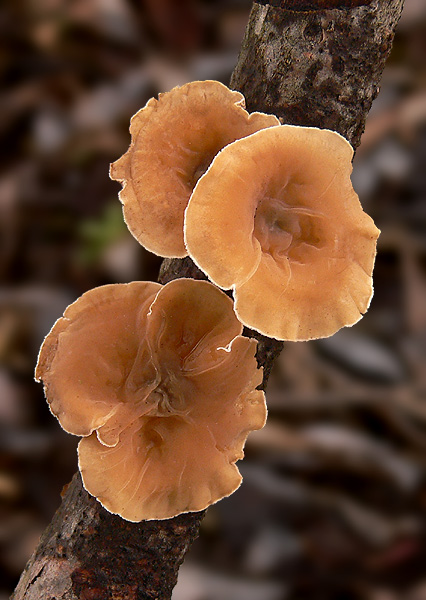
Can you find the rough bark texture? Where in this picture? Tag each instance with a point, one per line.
(90, 554)
(320, 68)
(311, 5)
(311, 65)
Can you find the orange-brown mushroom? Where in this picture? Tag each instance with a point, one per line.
(174, 139)
(84, 361)
(276, 218)
(163, 385)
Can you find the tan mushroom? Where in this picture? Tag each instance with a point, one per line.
(84, 361)
(164, 389)
(174, 139)
(276, 218)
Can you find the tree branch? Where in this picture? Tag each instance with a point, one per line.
(311, 62)
(320, 68)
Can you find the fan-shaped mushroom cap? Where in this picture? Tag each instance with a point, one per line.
(276, 218)
(174, 139)
(170, 387)
(85, 360)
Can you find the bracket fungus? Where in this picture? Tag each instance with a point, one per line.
(162, 385)
(276, 218)
(174, 139)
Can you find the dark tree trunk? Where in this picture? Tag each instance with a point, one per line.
(311, 62)
(320, 68)
(90, 554)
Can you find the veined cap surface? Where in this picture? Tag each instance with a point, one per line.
(174, 139)
(163, 387)
(276, 218)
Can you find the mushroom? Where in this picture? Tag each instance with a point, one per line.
(84, 360)
(276, 218)
(162, 385)
(174, 139)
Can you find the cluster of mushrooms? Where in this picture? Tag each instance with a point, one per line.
(165, 402)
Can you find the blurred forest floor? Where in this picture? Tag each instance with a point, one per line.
(333, 504)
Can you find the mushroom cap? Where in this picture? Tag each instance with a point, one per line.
(166, 399)
(83, 360)
(276, 218)
(174, 139)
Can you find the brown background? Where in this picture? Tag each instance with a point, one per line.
(334, 494)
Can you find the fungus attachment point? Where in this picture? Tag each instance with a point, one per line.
(276, 218)
(165, 394)
(174, 140)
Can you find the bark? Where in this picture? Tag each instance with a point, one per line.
(320, 68)
(90, 554)
(311, 62)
